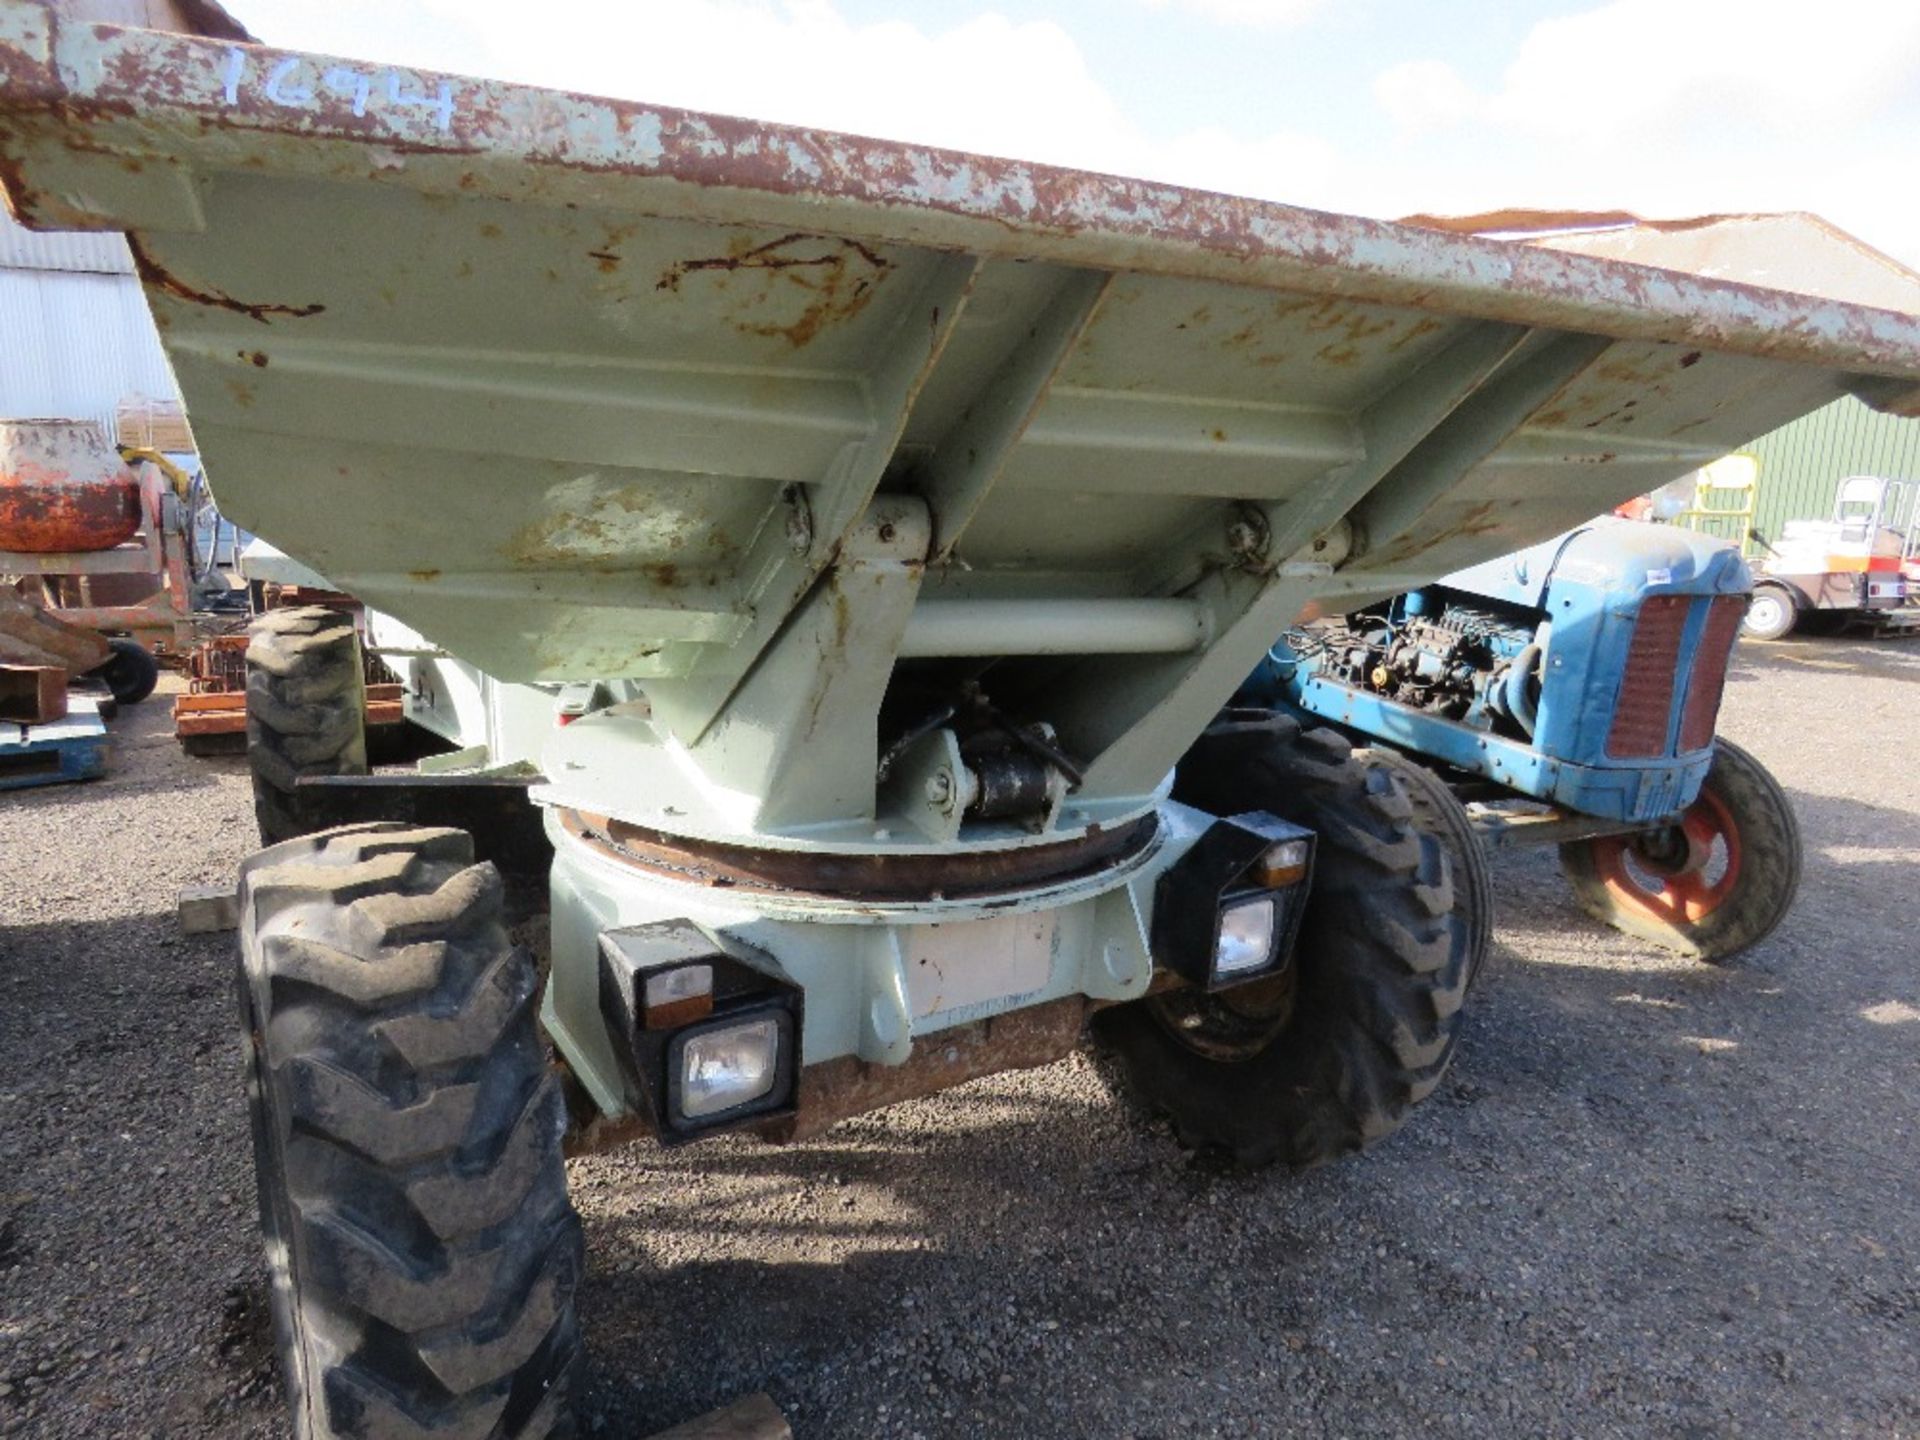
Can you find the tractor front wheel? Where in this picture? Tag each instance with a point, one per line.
(407, 1128)
(1331, 1054)
(1711, 884)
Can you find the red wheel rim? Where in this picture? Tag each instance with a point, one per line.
(1683, 894)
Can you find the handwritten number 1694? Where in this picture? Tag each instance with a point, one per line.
(292, 82)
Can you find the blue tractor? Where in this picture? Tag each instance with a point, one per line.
(1568, 694)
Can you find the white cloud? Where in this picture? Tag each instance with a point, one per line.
(1423, 95)
(1260, 14)
(1678, 107)
(1640, 68)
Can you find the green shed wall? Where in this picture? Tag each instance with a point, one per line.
(1801, 463)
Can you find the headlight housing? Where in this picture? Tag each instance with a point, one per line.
(709, 1036)
(1228, 910)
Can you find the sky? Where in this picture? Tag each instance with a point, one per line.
(1374, 107)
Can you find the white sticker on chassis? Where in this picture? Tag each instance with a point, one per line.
(972, 962)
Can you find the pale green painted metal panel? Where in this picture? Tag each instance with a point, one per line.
(1801, 463)
(583, 388)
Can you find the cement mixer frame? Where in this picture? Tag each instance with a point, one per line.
(883, 529)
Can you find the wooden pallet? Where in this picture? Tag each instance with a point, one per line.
(74, 748)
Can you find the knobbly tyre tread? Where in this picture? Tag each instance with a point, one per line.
(1382, 964)
(1438, 812)
(407, 1133)
(1771, 861)
(306, 710)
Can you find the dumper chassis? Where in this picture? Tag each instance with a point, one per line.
(877, 533)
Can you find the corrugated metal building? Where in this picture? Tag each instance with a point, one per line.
(1801, 463)
(76, 337)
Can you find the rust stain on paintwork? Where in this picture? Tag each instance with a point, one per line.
(156, 275)
(1420, 328)
(839, 280)
(1476, 520)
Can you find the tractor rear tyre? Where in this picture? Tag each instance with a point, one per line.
(422, 1250)
(1332, 1054)
(1772, 613)
(1438, 812)
(130, 673)
(306, 711)
(1715, 882)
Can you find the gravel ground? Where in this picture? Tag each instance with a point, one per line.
(1651, 1198)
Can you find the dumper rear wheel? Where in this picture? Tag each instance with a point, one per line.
(1710, 885)
(306, 711)
(1438, 812)
(422, 1250)
(1333, 1054)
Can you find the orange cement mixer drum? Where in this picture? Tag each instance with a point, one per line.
(63, 488)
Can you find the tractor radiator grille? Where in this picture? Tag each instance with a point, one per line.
(1645, 705)
(1702, 709)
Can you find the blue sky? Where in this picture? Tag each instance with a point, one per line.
(1380, 107)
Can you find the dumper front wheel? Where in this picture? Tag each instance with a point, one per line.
(1332, 1054)
(1715, 882)
(422, 1250)
(306, 711)
(1438, 812)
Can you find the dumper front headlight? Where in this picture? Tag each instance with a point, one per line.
(726, 1066)
(1226, 912)
(1247, 932)
(708, 1031)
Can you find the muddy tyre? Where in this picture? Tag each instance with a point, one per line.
(1438, 812)
(1332, 1055)
(422, 1250)
(1713, 884)
(306, 711)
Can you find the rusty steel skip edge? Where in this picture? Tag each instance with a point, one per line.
(506, 138)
